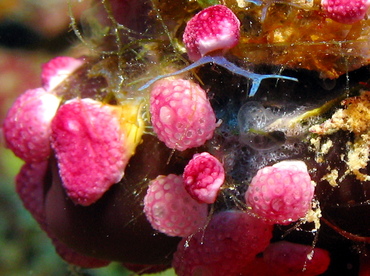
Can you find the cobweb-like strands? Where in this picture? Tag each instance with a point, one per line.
(223, 62)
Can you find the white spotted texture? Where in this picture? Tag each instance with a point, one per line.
(281, 193)
(171, 210)
(181, 114)
(214, 28)
(57, 70)
(27, 125)
(87, 137)
(345, 11)
(203, 177)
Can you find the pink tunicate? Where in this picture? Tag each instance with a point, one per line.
(203, 177)
(89, 144)
(214, 28)
(181, 114)
(27, 125)
(229, 242)
(281, 193)
(345, 11)
(171, 210)
(57, 70)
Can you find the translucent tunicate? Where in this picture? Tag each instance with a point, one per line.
(253, 117)
(263, 140)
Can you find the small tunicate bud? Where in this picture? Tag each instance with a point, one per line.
(281, 193)
(57, 70)
(203, 177)
(214, 28)
(171, 210)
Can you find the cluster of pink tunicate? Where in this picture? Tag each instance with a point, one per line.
(231, 240)
(39, 122)
(228, 242)
(92, 148)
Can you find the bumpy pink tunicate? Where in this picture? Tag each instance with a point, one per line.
(181, 114)
(90, 148)
(214, 28)
(171, 210)
(203, 177)
(57, 70)
(345, 11)
(229, 242)
(27, 125)
(281, 193)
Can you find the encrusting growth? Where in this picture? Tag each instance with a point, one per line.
(186, 171)
(27, 124)
(354, 117)
(214, 28)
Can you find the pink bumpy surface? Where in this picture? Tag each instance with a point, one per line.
(345, 11)
(27, 124)
(90, 148)
(30, 188)
(181, 114)
(171, 210)
(214, 28)
(281, 193)
(229, 242)
(203, 177)
(57, 70)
